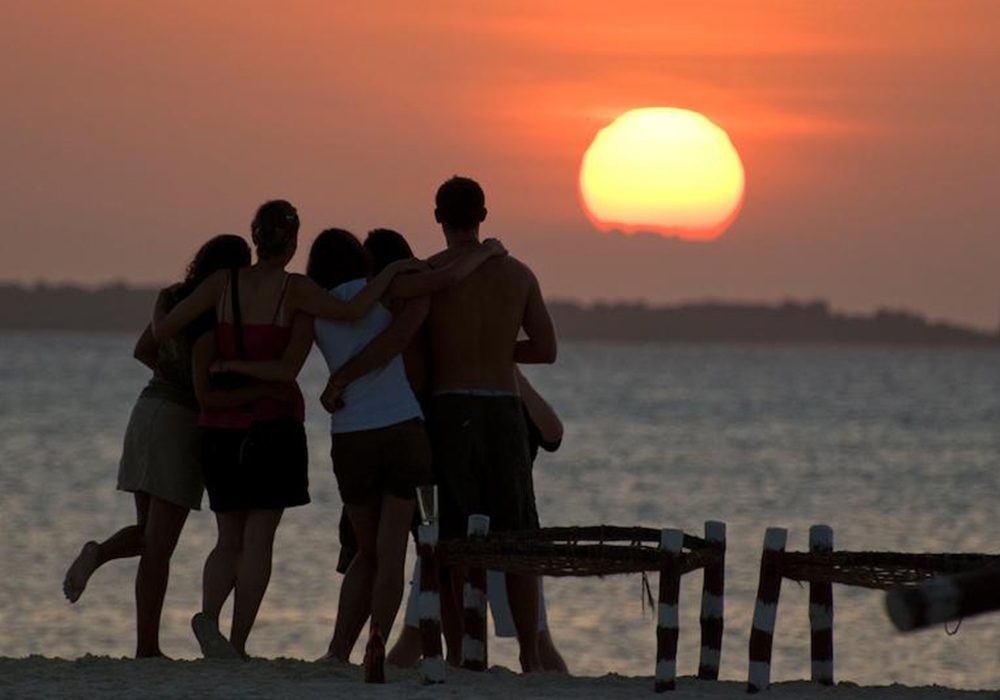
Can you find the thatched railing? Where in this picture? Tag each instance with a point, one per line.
(603, 550)
(821, 567)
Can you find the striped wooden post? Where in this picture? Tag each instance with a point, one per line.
(713, 604)
(429, 605)
(821, 611)
(944, 599)
(474, 652)
(668, 619)
(766, 611)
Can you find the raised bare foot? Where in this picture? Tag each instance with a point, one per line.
(80, 571)
(213, 644)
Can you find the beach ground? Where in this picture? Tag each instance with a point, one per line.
(93, 677)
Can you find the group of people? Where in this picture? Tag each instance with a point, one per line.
(423, 388)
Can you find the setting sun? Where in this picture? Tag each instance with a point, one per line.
(662, 170)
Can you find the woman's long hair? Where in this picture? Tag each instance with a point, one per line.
(224, 252)
(386, 246)
(337, 256)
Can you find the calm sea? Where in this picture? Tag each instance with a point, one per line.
(895, 449)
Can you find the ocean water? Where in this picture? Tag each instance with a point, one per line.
(895, 449)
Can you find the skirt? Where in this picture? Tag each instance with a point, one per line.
(161, 455)
(264, 467)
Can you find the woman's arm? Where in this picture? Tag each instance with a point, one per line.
(202, 299)
(541, 412)
(146, 348)
(420, 284)
(213, 399)
(285, 369)
(305, 295)
(385, 346)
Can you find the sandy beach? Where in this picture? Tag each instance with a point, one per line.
(93, 677)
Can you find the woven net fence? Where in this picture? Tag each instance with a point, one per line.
(602, 550)
(880, 570)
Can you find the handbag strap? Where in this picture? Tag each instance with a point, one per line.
(234, 287)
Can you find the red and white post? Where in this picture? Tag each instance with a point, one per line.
(821, 611)
(713, 604)
(429, 605)
(474, 651)
(667, 612)
(765, 613)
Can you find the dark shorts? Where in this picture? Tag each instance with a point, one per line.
(261, 468)
(392, 460)
(481, 462)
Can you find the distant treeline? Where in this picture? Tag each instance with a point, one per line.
(122, 308)
(790, 322)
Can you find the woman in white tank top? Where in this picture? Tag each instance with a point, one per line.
(380, 450)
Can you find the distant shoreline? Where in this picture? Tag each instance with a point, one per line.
(127, 309)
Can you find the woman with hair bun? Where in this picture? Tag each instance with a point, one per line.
(254, 452)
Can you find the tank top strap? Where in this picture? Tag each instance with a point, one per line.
(281, 300)
(225, 295)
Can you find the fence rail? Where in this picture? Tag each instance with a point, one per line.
(822, 567)
(602, 550)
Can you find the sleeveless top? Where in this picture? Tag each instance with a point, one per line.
(261, 342)
(380, 398)
(172, 379)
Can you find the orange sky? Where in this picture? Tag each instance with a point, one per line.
(131, 131)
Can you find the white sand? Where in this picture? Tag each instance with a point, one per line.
(123, 679)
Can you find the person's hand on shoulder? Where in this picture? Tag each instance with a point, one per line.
(496, 247)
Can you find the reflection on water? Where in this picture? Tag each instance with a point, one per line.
(895, 449)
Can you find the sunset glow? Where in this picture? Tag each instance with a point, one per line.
(662, 170)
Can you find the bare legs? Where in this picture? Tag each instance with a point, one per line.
(254, 573)
(125, 543)
(406, 651)
(522, 592)
(219, 577)
(241, 560)
(355, 602)
(374, 582)
(163, 528)
(550, 657)
(153, 539)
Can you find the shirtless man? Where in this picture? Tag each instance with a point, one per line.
(477, 428)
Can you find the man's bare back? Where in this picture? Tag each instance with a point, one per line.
(478, 433)
(475, 325)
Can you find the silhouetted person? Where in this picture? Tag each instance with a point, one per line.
(161, 459)
(545, 432)
(478, 432)
(380, 448)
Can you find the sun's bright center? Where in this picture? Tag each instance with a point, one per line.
(662, 170)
